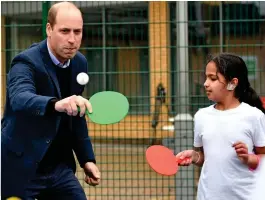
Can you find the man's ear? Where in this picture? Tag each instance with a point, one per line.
(48, 29)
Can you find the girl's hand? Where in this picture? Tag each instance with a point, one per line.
(242, 152)
(185, 157)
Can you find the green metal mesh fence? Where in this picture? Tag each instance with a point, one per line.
(154, 53)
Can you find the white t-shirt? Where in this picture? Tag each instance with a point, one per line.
(223, 175)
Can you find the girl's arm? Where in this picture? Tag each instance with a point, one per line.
(254, 159)
(251, 160)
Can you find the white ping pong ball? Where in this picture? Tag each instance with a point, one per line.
(82, 78)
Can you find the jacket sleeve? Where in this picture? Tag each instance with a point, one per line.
(21, 88)
(82, 144)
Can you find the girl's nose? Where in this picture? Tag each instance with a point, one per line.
(206, 84)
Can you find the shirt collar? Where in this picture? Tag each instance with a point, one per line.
(56, 61)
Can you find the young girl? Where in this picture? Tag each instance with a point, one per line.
(229, 136)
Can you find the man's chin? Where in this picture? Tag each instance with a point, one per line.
(69, 56)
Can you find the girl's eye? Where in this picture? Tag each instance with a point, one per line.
(211, 78)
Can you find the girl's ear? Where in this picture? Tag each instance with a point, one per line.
(232, 84)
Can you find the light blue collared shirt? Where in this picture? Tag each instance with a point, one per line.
(56, 61)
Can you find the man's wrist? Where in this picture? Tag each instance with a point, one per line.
(87, 161)
(51, 106)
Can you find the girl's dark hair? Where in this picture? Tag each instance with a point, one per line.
(232, 66)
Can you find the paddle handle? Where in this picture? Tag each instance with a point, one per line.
(178, 160)
(87, 113)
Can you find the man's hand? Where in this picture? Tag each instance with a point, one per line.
(69, 105)
(92, 174)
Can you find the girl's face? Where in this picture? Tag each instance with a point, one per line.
(215, 83)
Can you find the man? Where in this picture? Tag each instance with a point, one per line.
(41, 123)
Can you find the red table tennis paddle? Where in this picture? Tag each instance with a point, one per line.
(162, 160)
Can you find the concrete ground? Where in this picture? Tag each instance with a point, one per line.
(126, 175)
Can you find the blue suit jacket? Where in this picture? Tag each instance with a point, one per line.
(26, 129)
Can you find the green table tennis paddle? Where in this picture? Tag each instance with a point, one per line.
(108, 107)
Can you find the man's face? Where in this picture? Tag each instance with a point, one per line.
(66, 35)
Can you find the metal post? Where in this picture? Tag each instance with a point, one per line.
(221, 26)
(45, 10)
(183, 122)
(104, 57)
(182, 54)
(14, 38)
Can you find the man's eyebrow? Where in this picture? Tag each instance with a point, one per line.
(64, 29)
(75, 29)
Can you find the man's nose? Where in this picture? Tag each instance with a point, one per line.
(71, 38)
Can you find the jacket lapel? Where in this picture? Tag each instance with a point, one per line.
(49, 65)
